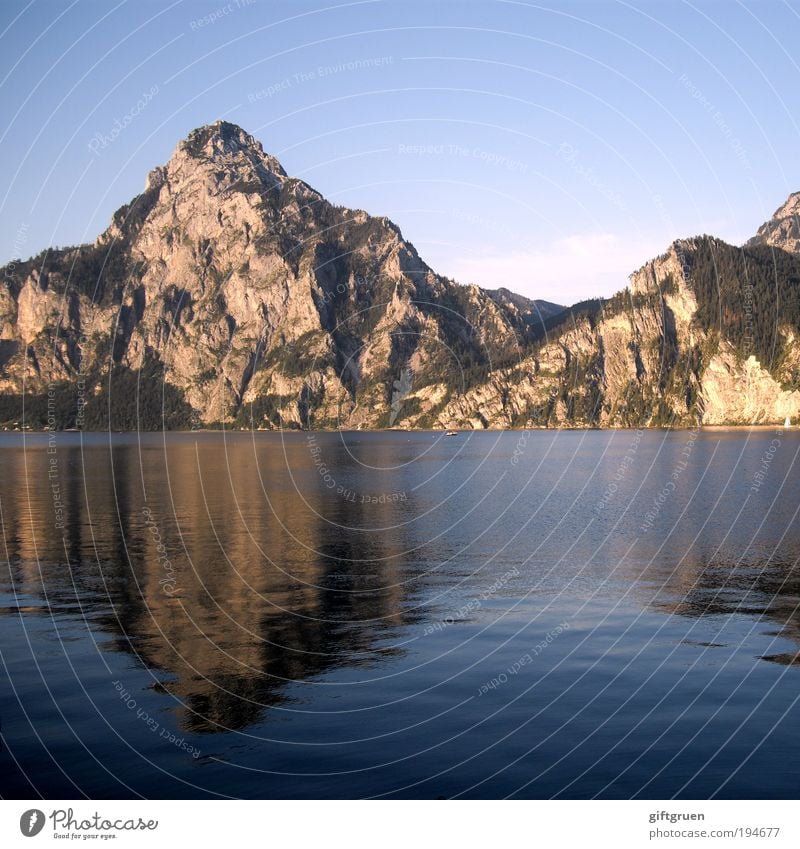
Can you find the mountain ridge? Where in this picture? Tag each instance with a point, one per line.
(229, 292)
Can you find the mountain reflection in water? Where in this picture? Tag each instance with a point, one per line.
(248, 592)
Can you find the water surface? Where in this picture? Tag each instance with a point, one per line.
(552, 614)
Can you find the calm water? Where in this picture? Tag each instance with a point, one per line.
(571, 614)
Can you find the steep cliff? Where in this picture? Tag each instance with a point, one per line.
(229, 292)
(706, 333)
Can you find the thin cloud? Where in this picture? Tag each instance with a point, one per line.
(583, 265)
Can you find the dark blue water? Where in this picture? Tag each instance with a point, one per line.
(554, 614)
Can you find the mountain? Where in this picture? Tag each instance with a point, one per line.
(251, 296)
(231, 293)
(532, 312)
(706, 333)
(783, 229)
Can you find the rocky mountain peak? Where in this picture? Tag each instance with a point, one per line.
(218, 173)
(219, 140)
(783, 229)
(224, 148)
(790, 207)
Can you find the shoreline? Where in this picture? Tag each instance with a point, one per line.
(442, 431)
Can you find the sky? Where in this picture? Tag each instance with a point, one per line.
(551, 148)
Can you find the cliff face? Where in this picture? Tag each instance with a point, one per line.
(230, 292)
(701, 335)
(783, 229)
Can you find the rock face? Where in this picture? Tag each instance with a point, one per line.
(783, 229)
(229, 292)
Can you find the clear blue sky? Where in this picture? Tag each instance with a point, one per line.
(551, 148)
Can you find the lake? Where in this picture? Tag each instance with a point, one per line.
(571, 614)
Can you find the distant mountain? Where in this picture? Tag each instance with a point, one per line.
(230, 293)
(532, 312)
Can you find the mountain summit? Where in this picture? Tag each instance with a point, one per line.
(229, 292)
(783, 229)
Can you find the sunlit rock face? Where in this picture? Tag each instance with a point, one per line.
(783, 229)
(230, 293)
